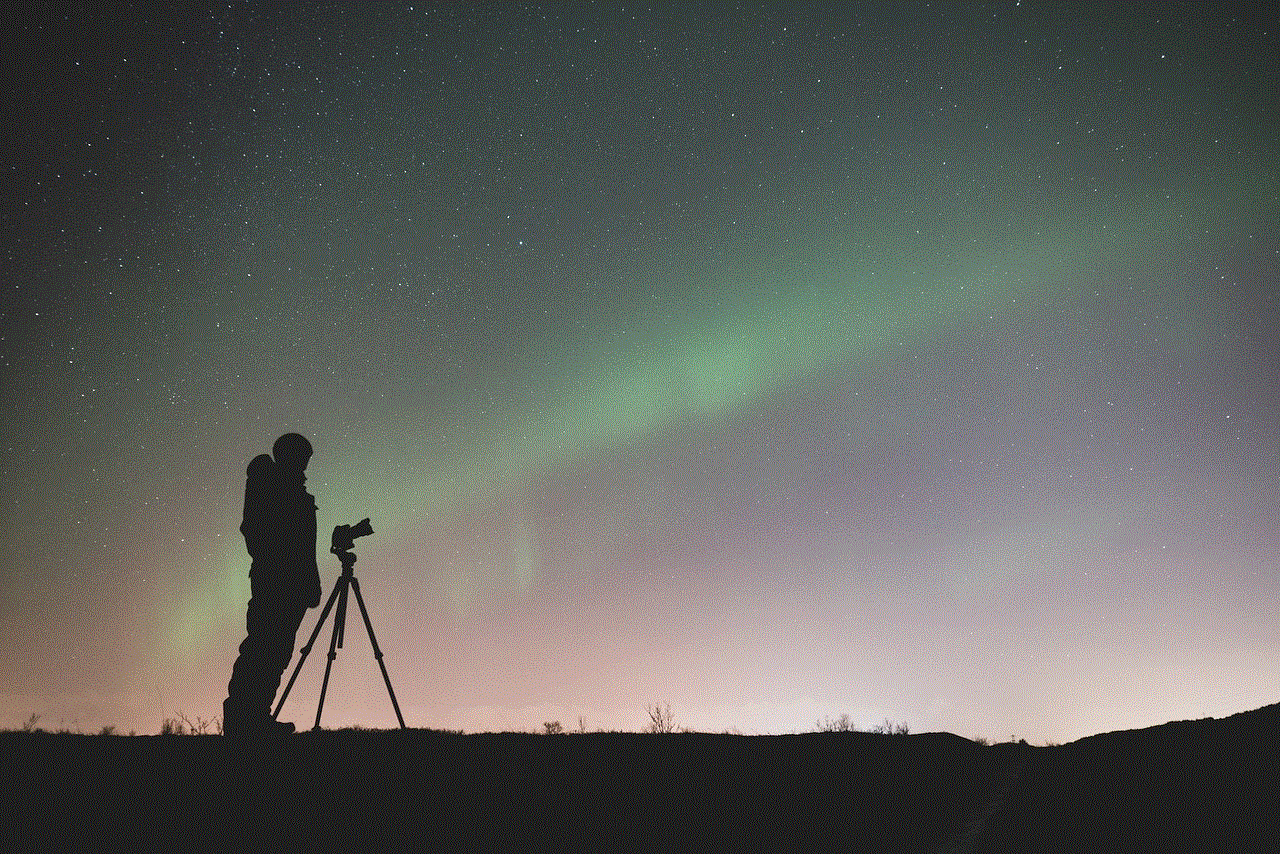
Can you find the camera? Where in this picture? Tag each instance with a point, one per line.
(344, 536)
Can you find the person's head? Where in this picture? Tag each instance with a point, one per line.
(292, 452)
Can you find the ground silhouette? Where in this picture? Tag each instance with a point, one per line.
(1204, 785)
(1186, 786)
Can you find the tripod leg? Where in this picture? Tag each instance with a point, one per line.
(306, 649)
(377, 653)
(339, 619)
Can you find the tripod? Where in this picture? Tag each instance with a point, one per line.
(347, 581)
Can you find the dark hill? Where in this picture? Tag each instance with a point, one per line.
(1205, 785)
(1180, 787)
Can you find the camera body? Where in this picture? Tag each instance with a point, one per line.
(344, 536)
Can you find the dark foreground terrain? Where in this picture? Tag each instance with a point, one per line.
(1189, 786)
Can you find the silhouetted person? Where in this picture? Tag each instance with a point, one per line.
(279, 530)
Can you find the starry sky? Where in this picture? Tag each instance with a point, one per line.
(901, 361)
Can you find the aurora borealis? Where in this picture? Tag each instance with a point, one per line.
(774, 362)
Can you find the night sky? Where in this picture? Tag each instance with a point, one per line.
(776, 363)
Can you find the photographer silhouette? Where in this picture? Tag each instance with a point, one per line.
(279, 530)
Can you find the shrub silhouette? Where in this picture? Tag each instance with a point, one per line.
(660, 718)
(180, 724)
(888, 727)
(844, 723)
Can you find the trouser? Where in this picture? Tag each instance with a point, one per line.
(272, 622)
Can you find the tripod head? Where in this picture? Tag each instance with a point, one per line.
(343, 540)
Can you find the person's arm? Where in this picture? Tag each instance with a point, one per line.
(310, 569)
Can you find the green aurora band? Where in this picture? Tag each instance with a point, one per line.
(735, 337)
